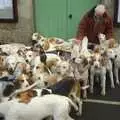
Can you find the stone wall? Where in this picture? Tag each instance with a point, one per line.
(22, 30)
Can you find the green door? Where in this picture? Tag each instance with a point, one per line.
(60, 18)
(50, 17)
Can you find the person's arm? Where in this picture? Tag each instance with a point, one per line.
(81, 32)
(109, 29)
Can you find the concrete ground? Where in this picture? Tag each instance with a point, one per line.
(98, 107)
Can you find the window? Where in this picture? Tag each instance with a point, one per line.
(8, 11)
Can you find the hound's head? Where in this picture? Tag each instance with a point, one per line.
(22, 81)
(63, 67)
(96, 60)
(41, 78)
(36, 36)
(18, 83)
(11, 62)
(39, 73)
(82, 60)
(37, 39)
(38, 68)
(29, 55)
(111, 53)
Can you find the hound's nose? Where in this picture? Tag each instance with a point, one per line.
(46, 83)
(27, 85)
(96, 66)
(31, 73)
(115, 56)
(10, 70)
(27, 61)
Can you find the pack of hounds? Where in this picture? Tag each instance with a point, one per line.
(50, 78)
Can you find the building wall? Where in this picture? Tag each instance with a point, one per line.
(21, 31)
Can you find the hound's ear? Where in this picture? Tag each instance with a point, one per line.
(17, 84)
(34, 42)
(38, 36)
(21, 53)
(85, 61)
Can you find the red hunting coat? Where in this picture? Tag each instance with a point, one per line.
(88, 28)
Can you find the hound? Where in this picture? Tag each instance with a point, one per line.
(100, 65)
(41, 107)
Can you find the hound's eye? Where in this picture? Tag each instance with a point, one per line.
(42, 40)
(22, 81)
(37, 67)
(38, 78)
(29, 55)
(64, 67)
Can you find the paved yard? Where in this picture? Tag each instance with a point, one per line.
(98, 107)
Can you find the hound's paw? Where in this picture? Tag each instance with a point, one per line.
(117, 82)
(103, 93)
(91, 90)
(79, 113)
(113, 86)
(84, 96)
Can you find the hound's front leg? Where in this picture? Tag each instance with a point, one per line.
(116, 75)
(103, 81)
(85, 83)
(79, 113)
(91, 79)
(79, 103)
(111, 79)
